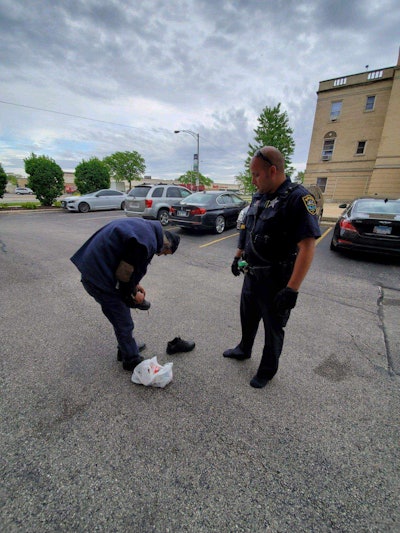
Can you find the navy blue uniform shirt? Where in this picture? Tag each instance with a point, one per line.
(275, 223)
(99, 257)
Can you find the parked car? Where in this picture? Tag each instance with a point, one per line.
(216, 210)
(94, 201)
(369, 225)
(23, 190)
(241, 216)
(154, 201)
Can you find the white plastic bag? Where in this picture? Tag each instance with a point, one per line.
(151, 374)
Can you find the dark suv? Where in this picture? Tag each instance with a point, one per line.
(154, 201)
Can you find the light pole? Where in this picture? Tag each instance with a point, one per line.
(196, 158)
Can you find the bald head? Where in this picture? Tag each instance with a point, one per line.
(267, 168)
(275, 157)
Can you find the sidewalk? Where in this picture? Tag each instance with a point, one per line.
(332, 212)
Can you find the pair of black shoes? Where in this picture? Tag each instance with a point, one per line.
(258, 382)
(179, 345)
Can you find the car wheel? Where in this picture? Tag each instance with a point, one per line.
(123, 206)
(83, 207)
(333, 246)
(163, 217)
(219, 224)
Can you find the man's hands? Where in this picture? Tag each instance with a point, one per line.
(285, 299)
(235, 267)
(140, 294)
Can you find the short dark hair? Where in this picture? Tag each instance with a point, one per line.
(173, 240)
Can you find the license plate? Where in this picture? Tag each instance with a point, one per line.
(134, 204)
(182, 213)
(382, 230)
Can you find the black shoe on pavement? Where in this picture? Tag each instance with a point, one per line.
(141, 346)
(235, 353)
(258, 383)
(132, 363)
(179, 345)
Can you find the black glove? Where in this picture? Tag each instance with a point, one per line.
(234, 267)
(285, 299)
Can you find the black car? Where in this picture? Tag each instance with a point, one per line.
(369, 225)
(215, 210)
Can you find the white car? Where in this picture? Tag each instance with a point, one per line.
(95, 201)
(241, 217)
(23, 190)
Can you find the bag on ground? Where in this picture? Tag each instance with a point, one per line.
(151, 374)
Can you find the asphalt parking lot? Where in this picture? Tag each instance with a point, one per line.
(84, 449)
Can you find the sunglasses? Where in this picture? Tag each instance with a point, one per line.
(264, 157)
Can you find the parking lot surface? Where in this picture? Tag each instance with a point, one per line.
(84, 449)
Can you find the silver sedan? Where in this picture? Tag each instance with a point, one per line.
(95, 201)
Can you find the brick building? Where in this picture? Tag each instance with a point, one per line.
(355, 143)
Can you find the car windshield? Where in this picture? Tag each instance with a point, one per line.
(381, 207)
(139, 192)
(198, 198)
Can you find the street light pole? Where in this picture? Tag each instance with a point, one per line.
(196, 162)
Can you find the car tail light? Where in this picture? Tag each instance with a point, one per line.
(347, 226)
(172, 210)
(198, 211)
(148, 203)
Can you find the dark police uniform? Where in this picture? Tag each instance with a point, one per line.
(134, 241)
(273, 226)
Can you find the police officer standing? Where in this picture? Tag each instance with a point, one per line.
(277, 244)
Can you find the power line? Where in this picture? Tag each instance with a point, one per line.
(71, 115)
(101, 121)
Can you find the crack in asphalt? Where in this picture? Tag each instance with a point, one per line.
(388, 313)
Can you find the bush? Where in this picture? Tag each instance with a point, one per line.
(92, 175)
(46, 178)
(3, 181)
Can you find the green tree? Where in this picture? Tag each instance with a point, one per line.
(92, 175)
(3, 181)
(300, 177)
(191, 177)
(45, 178)
(129, 166)
(273, 130)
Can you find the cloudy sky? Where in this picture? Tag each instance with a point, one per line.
(84, 78)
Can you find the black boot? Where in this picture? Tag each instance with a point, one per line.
(236, 353)
(132, 363)
(179, 345)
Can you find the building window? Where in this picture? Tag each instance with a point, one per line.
(340, 81)
(335, 110)
(329, 144)
(321, 182)
(370, 103)
(375, 75)
(361, 147)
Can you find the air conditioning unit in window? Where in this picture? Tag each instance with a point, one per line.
(326, 157)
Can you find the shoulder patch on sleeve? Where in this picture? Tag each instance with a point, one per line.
(309, 202)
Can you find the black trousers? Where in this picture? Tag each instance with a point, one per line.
(120, 317)
(256, 303)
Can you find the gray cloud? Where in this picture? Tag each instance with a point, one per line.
(156, 66)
